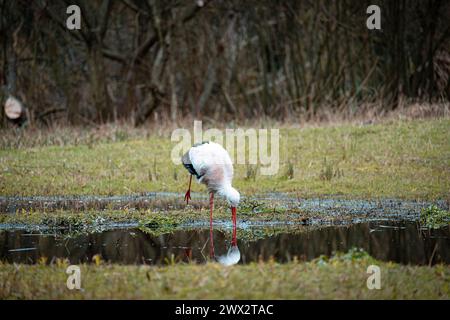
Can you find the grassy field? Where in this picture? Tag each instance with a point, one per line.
(402, 159)
(395, 159)
(341, 277)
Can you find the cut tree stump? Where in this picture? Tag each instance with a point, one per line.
(15, 111)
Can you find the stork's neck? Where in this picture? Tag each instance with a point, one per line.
(225, 189)
(230, 194)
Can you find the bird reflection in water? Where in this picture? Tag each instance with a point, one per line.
(233, 255)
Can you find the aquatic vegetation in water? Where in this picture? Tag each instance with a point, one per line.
(353, 254)
(434, 217)
(158, 224)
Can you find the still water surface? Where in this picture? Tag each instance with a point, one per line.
(400, 242)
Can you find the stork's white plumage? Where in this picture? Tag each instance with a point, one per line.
(211, 164)
(232, 257)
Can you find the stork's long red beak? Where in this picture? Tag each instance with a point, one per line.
(233, 217)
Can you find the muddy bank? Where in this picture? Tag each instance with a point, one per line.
(174, 201)
(166, 212)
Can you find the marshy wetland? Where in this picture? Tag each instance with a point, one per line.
(381, 198)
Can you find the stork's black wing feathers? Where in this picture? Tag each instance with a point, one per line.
(199, 144)
(187, 161)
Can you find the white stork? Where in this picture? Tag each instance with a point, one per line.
(210, 163)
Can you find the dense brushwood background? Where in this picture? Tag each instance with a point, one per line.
(168, 59)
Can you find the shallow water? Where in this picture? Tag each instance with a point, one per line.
(402, 242)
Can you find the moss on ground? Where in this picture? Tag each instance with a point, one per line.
(401, 159)
(254, 216)
(341, 277)
(434, 217)
(72, 223)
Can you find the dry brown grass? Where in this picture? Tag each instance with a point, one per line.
(61, 134)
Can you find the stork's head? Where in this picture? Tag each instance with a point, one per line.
(231, 195)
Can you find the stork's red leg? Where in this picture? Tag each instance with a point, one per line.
(211, 240)
(187, 196)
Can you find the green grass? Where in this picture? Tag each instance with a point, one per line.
(399, 159)
(340, 277)
(403, 159)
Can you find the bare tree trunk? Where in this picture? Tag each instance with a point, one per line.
(102, 103)
(173, 87)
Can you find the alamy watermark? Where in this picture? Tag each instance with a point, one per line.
(74, 278)
(374, 280)
(245, 146)
(373, 22)
(73, 21)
